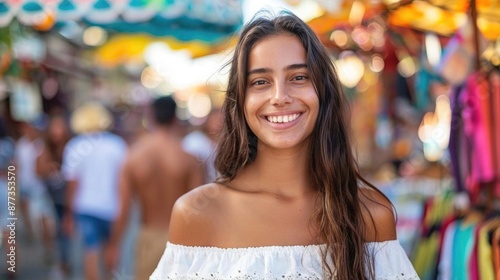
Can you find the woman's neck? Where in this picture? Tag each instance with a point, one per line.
(279, 172)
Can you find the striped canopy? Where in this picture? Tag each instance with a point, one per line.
(184, 19)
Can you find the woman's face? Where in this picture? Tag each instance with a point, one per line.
(281, 104)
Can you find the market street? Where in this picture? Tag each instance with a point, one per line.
(32, 260)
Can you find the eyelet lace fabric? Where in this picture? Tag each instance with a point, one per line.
(181, 262)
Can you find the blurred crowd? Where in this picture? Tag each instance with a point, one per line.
(77, 177)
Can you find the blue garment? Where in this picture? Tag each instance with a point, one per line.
(95, 232)
(463, 244)
(6, 152)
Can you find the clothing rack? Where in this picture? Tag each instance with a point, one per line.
(489, 187)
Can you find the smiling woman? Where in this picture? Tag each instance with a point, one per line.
(281, 104)
(289, 202)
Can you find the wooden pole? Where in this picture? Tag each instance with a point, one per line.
(473, 10)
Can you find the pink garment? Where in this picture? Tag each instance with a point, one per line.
(477, 127)
(473, 265)
(495, 84)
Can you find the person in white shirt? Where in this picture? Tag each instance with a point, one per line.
(157, 171)
(91, 164)
(289, 202)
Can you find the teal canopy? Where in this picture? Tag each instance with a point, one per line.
(206, 20)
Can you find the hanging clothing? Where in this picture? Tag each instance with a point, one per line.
(477, 127)
(445, 259)
(463, 244)
(496, 252)
(494, 86)
(457, 146)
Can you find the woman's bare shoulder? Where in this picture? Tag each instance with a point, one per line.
(193, 214)
(378, 214)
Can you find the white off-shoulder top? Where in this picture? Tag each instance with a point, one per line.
(271, 262)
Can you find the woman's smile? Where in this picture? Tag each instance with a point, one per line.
(283, 118)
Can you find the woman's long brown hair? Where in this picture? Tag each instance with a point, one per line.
(332, 166)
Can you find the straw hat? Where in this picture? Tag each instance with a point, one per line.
(91, 117)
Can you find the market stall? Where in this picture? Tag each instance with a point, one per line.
(437, 87)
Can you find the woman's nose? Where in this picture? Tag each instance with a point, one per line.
(281, 95)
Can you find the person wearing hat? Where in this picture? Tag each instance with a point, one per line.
(91, 164)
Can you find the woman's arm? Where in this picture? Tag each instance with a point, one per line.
(190, 223)
(378, 215)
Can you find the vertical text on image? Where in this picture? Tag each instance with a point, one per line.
(11, 218)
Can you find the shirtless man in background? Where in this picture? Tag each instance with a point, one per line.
(157, 171)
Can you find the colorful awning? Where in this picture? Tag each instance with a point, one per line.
(446, 17)
(443, 17)
(183, 19)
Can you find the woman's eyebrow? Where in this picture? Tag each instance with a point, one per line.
(295, 66)
(269, 70)
(259, 71)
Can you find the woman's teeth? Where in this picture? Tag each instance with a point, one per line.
(282, 119)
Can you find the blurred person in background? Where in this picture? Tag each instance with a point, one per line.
(201, 143)
(48, 167)
(7, 187)
(91, 165)
(157, 171)
(36, 207)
